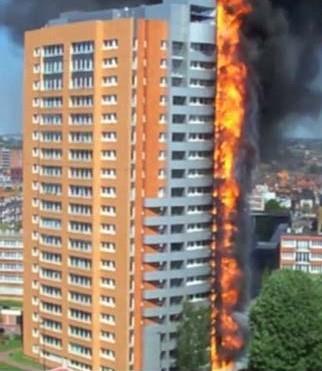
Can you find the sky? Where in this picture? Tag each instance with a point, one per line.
(10, 85)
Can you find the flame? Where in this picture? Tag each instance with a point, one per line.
(229, 124)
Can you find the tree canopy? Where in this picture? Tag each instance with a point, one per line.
(286, 324)
(193, 338)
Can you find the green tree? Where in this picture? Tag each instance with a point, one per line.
(193, 338)
(286, 324)
(273, 205)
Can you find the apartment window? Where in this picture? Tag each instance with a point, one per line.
(110, 44)
(163, 45)
(51, 82)
(109, 136)
(109, 192)
(199, 191)
(78, 209)
(108, 354)
(108, 173)
(107, 301)
(108, 283)
(110, 81)
(199, 65)
(80, 298)
(110, 62)
(51, 137)
(108, 229)
(199, 155)
(50, 223)
(80, 137)
(81, 101)
(163, 63)
(201, 101)
(108, 210)
(50, 340)
(80, 155)
(51, 102)
(37, 52)
(75, 279)
(80, 315)
(109, 100)
(53, 66)
(201, 83)
(53, 50)
(50, 274)
(51, 291)
(80, 173)
(163, 81)
(80, 191)
(51, 325)
(108, 336)
(108, 265)
(80, 245)
(83, 47)
(80, 332)
(51, 154)
(203, 47)
(52, 206)
(81, 119)
(109, 155)
(82, 64)
(51, 119)
(51, 257)
(80, 263)
(51, 308)
(80, 350)
(50, 240)
(109, 118)
(82, 82)
(108, 247)
(80, 227)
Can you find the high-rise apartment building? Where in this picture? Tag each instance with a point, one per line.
(11, 267)
(118, 151)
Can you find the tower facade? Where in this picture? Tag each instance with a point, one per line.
(118, 149)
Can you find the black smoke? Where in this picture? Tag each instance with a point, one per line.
(19, 16)
(283, 39)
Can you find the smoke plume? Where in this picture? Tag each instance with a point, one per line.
(282, 41)
(22, 15)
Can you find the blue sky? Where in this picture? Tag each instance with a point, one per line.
(10, 85)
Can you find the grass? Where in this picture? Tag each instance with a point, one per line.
(7, 343)
(4, 366)
(19, 357)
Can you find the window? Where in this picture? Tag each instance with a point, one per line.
(108, 173)
(77, 297)
(79, 332)
(80, 191)
(81, 101)
(108, 229)
(80, 263)
(83, 47)
(108, 210)
(80, 245)
(80, 350)
(108, 283)
(75, 279)
(107, 301)
(109, 100)
(110, 62)
(109, 118)
(51, 119)
(110, 44)
(53, 50)
(80, 227)
(78, 209)
(109, 192)
(108, 318)
(109, 136)
(81, 119)
(110, 81)
(80, 315)
(80, 137)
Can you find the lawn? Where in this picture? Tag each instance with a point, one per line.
(4, 366)
(10, 343)
(19, 357)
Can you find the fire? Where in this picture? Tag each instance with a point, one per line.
(229, 125)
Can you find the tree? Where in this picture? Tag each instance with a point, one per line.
(193, 338)
(273, 205)
(286, 324)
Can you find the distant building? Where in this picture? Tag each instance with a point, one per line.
(5, 159)
(258, 198)
(11, 321)
(10, 209)
(11, 267)
(301, 252)
(16, 158)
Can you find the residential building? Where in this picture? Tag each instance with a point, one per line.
(5, 159)
(301, 252)
(10, 209)
(118, 151)
(11, 265)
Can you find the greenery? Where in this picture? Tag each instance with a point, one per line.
(286, 324)
(19, 357)
(10, 303)
(8, 343)
(193, 338)
(5, 366)
(273, 206)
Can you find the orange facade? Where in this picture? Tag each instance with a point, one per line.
(91, 155)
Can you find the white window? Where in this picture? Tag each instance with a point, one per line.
(108, 173)
(109, 155)
(107, 301)
(109, 136)
(109, 118)
(110, 44)
(108, 210)
(110, 62)
(110, 81)
(108, 265)
(108, 229)
(109, 100)
(109, 192)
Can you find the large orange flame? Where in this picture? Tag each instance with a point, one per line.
(229, 125)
